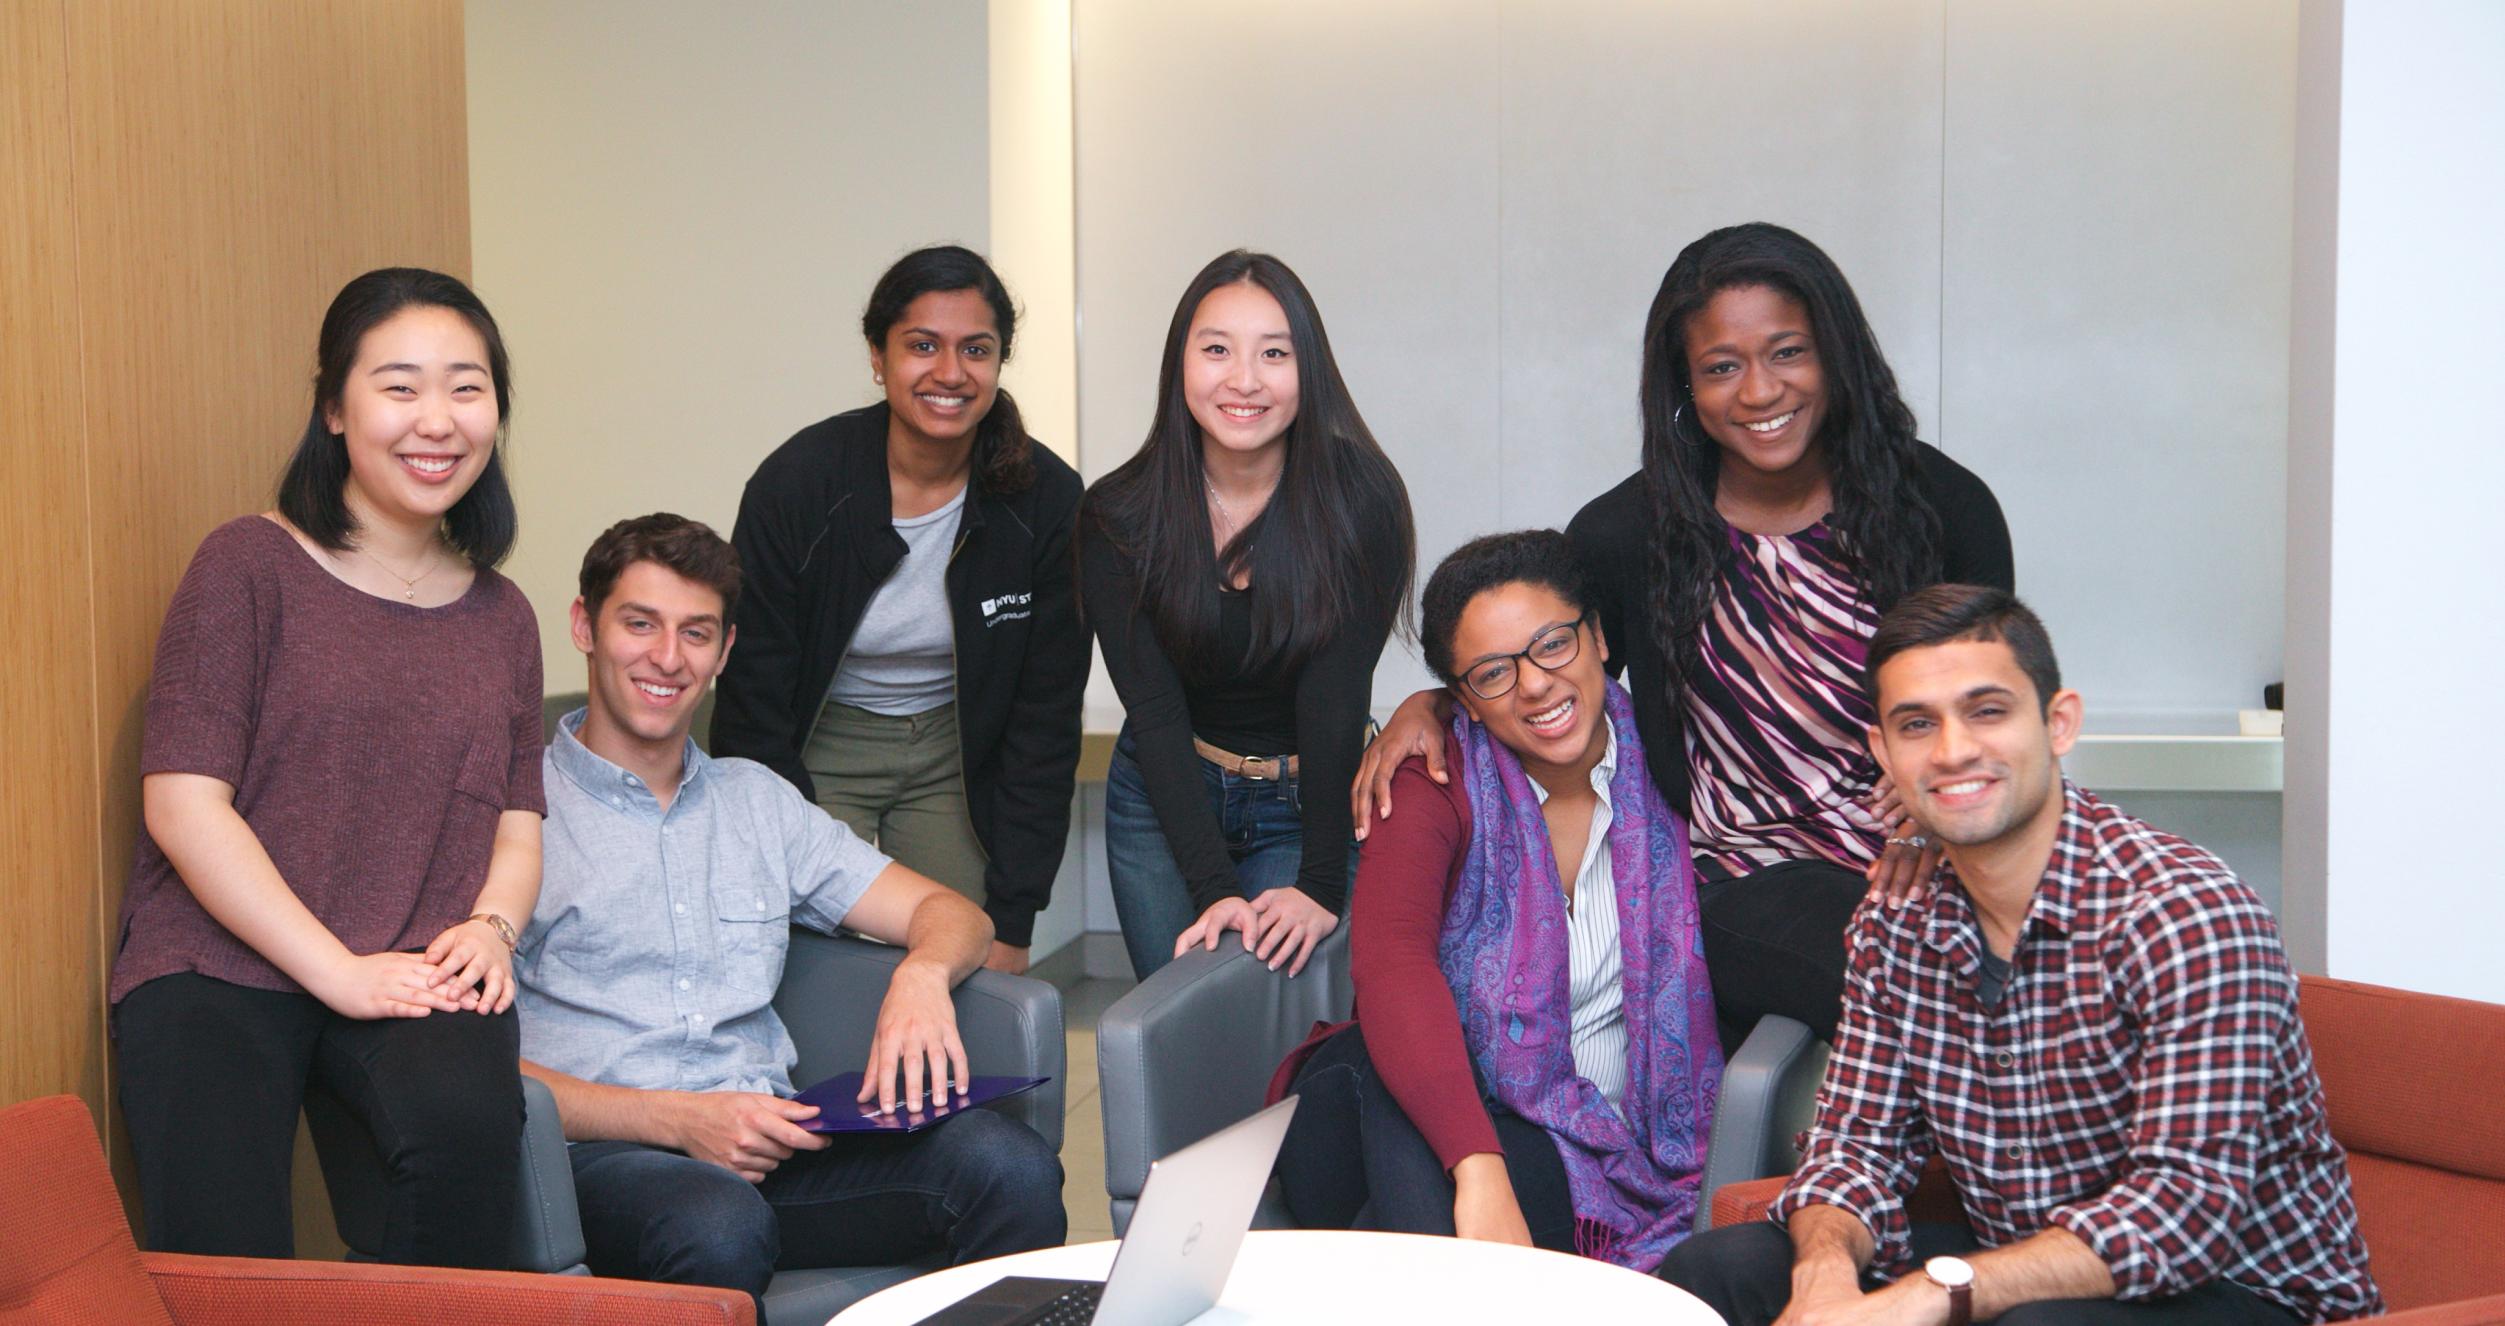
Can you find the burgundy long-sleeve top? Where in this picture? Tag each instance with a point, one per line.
(1405, 876)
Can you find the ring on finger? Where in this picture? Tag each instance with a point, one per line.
(1914, 841)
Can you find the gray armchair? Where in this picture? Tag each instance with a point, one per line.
(1193, 1048)
(829, 999)
(1769, 1094)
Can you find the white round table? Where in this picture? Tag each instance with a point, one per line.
(1312, 1276)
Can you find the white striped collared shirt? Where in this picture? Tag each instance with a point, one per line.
(1594, 962)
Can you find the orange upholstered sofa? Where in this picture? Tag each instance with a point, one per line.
(67, 1259)
(2416, 1089)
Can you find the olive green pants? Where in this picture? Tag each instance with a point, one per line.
(899, 782)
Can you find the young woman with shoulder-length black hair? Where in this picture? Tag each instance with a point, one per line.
(1242, 572)
(1783, 505)
(313, 494)
(340, 782)
(909, 654)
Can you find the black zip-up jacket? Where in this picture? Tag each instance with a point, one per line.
(816, 540)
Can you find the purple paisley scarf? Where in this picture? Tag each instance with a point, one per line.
(1634, 1176)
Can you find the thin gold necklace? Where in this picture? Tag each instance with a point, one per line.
(408, 584)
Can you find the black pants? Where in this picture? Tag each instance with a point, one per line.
(1353, 1160)
(214, 1074)
(1744, 1272)
(1774, 943)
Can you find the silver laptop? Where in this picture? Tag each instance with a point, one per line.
(1174, 1260)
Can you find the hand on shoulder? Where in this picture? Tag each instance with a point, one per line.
(1416, 731)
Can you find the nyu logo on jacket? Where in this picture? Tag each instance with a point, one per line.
(1006, 608)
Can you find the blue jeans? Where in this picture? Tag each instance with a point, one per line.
(981, 1185)
(1262, 821)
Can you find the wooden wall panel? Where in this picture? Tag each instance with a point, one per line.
(182, 189)
(50, 987)
(237, 162)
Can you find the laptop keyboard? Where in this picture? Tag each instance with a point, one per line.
(1075, 1307)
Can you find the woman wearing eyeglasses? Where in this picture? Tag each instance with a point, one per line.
(1534, 1058)
(1782, 506)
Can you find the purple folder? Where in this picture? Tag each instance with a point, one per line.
(838, 1112)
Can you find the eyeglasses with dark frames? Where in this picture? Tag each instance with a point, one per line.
(1493, 678)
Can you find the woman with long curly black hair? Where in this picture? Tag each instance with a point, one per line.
(1784, 503)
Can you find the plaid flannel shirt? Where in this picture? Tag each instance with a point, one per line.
(2144, 1083)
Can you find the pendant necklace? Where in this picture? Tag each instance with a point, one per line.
(408, 584)
(1233, 526)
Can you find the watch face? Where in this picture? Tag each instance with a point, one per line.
(1949, 1272)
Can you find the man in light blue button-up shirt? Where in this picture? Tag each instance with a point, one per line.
(647, 976)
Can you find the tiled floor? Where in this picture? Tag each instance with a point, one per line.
(1083, 1128)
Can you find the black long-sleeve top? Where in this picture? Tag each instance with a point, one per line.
(1317, 713)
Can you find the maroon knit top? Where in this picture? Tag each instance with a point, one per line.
(1405, 875)
(371, 743)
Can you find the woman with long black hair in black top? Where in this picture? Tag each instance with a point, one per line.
(1242, 571)
(1783, 505)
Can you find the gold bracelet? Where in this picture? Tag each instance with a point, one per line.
(502, 927)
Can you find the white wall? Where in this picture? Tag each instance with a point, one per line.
(2068, 224)
(1032, 247)
(1033, 213)
(2113, 327)
(2396, 461)
(676, 217)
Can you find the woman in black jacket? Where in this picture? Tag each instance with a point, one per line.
(908, 650)
(1783, 504)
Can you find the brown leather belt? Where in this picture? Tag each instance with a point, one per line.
(1261, 768)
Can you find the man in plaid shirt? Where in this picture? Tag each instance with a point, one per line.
(2090, 1022)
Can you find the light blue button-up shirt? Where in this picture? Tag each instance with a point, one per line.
(652, 957)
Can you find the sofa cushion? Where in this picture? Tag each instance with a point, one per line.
(2431, 1235)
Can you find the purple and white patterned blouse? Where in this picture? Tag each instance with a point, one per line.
(1777, 718)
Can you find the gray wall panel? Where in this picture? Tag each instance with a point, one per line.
(2119, 190)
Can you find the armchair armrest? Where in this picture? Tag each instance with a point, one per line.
(829, 1001)
(2466, 1312)
(1769, 1092)
(1192, 1048)
(548, 1231)
(1934, 1198)
(1739, 1203)
(250, 1291)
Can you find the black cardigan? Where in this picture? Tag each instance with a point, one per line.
(816, 539)
(1613, 533)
